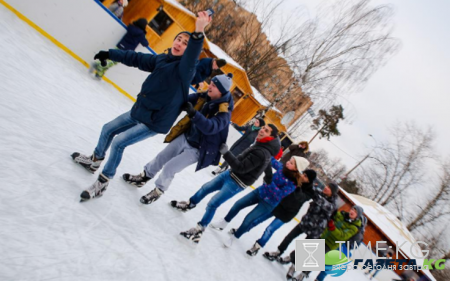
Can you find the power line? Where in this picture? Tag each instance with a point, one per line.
(343, 151)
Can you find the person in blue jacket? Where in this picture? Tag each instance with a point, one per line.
(196, 138)
(158, 104)
(205, 69)
(136, 32)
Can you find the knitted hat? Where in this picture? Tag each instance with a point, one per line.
(223, 82)
(301, 163)
(359, 211)
(221, 62)
(185, 32)
(274, 130)
(311, 174)
(141, 23)
(334, 188)
(261, 122)
(124, 3)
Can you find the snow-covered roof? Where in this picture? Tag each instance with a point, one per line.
(178, 5)
(261, 99)
(391, 226)
(216, 50)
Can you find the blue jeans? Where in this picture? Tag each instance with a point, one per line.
(262, 209)
(129, 131)
(228, 188)
(270, 230)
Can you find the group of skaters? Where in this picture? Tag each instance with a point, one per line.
(200, 138)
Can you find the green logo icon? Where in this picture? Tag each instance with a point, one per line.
(335, 257)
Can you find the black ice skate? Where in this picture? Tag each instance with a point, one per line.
(90, 163)
(194, 234)
(152, 196)
(96, 189)
(285, 260)
(272, 255)
(302, 276)
(182, 205)
(254, 250)
(138, 180)
(290, 272)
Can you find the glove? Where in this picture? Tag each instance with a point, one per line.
(189, 108)
(331, 225)
(223, 148)
(102, 56)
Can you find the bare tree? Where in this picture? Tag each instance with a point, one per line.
(341, 48)
(396, 167)
(438, 205)
(332, 167)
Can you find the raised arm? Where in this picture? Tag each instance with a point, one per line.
(145, 62)
(194, 48)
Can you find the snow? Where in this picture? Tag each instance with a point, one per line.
(179, 6)
(261, 99)
(50, 107)
(216, 50)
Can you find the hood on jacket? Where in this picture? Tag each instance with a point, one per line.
(273, 146)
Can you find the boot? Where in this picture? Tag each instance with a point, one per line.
(219, 225)
(152, 196)
(272, 255)
(194, 234)
(254, 250)
(182, 205)
(96, 189)
(138, 180)
(90, 163)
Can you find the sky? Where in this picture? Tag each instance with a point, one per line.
(410, 87)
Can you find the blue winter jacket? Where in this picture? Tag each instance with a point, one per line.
(279, 188)
(132, 38)
(166, 89)
(203, 70)
(213, 125)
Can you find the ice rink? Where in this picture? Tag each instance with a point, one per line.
(50, 107)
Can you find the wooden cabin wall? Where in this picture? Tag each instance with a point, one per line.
(244, 110)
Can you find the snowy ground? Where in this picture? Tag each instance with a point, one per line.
(50, 107)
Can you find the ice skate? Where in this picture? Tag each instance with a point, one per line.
(194, 234)
(138, 180)
(285, 260)
(152, 196)
(271, 256)
(182, 205)
(90, 163)
(254, 250)
(302, 276)
(96, 189)
(290, 272)
(219, 225)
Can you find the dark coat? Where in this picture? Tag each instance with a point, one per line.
(319, 212)
(251, 163)
(278, 188)
(166, 89)
(294, 150)
(291, 204)
(247, 139)
(132, 38)
(213, 122)
(203, 70)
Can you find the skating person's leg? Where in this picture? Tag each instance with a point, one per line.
(110, 130)
(131, 136)
(261, 210)
(270, 230)
(250, 199)
(174, 158)
(228, 190)
(209, 187)
(295, 232)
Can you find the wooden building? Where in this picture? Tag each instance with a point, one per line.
(382, 225)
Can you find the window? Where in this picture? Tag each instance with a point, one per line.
(237, 94)
(160, 23)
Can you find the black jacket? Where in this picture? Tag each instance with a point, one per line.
(245, 141)
(250, 164)
(294, 150)
(291, 204)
